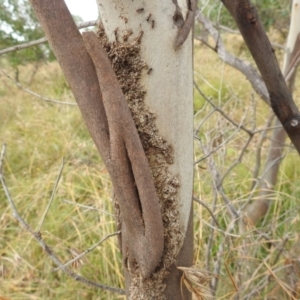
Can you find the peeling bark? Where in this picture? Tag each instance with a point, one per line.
(188, 24)
(168, 101)
(153, 204)
(109, 122)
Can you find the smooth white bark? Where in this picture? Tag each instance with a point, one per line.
(169, 86)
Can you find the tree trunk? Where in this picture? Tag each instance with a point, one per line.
(169, 96)
(148, 148)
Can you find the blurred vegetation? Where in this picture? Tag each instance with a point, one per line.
(273, 13)
(38, 136)
(18, 24)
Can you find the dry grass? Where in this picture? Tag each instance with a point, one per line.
(39, 134)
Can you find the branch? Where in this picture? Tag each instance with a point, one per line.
(228, 29)
(208, 209)
(35, 94)
(37, 235)
(88, 207)
(243, 66)
(259, 148)
(86, 251)
(259, 45)
(52, 196)
(219, 110)
(42, 40)
(208, 154)
(217, 184)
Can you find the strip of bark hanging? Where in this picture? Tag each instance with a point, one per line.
(144, 228)
(110, 124)
(246, 17)
(188, 24)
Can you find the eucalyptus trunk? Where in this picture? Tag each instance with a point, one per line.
(133, 82)
(168, 82)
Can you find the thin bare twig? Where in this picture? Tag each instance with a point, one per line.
(280, 250)
(266, 279)
(42, 40)
(38, 237)
(230, 30)
(254, 35)
(258, 151)
(225, 233)
(208, 209)
(243, 66)
(2, 159)
(219, 258)
(208, 154)
(238, 160)
(256, 183)
(262, 284)
(217, 184)
(35, 94)
(52, 196)
(88, 207)
(211, 235)
(86, 251)
(221, 111)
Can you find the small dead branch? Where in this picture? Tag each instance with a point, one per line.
(230, 30)
(241, 126)
(270, 273)
(217, 184)
(88, 207)
(258, 152)
(35, 94)
(238, 160)
(211, 151)
(42, 40)
(52, 197)
(219, 257)
(38, 236)
(208, 209)
(79, 256)
(243, 66)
